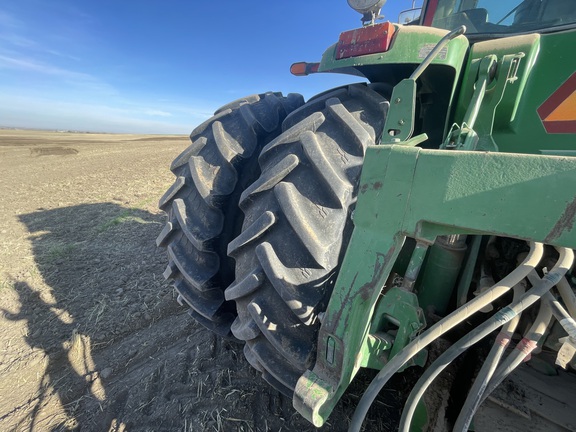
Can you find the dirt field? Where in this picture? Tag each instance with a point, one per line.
(92, 338)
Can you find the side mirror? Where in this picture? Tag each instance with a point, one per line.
(409, 16)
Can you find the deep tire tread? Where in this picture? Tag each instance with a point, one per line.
(196, 230)
(206, 303)
(335, 184)
(246, 286)
(298, 355)
(269, 179)
(282, 377)
(310, 123)
(203, 197)
(308, 182)
(300, 214)
(286, 283)
(169, 195)
(256, 230)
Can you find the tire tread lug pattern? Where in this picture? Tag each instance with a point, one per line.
(245, 329)
(202, 203)
(206, 303)
(334, 182)
(179, 164)
(170, 271)
(279, 336)
(256, 230)
(249, 354)
(299, 213)
(313, 105)
(246, 286)
(286, 284)
(196, 230)
(165, 234)
(226, 145)
(309, 182)
(205, 175)
(199, 272)
(172, 191)
(219, 324)
(311, 123)
(356, 133)
(278, 372)
(269, 179)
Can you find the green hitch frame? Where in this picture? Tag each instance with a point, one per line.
(412, 192)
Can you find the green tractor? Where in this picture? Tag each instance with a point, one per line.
(395, 223)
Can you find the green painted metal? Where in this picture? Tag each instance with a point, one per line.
(464, 137)
(398, 310)
(350, 308)
(438, 278)
(400, 118)
(415, 265)
(468, 271)
(409, 191)
(410, 45)
(545, 66)
(494, 77)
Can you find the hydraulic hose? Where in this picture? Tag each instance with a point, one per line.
(568, 296)
(566, 321)
(558, 310)
(550, 306)
(522, 350)
(441, 327)
(489, 366)
(506, 314)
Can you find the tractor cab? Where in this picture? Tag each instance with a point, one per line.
(493, 18)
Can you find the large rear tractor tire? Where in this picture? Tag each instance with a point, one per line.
(296, 228)
(202, 204)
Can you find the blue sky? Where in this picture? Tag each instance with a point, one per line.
(158, 66)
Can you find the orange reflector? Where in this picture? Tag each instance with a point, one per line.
(303, 68)
(366, 40)
(298, 69)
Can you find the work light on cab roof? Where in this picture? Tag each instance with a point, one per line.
(370, 9)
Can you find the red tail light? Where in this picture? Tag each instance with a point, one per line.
(366, 40)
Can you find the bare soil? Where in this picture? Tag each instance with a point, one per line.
(92, 338)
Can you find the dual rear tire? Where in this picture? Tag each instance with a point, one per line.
(299, 185)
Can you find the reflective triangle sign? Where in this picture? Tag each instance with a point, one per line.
(558, 112)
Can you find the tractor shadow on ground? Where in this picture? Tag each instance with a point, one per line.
(118, 354)
(100, 280)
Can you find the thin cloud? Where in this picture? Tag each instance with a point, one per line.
(61, 54)
(158, 113)
(17, 40)
(27, 64)
(9, 21)
(81, 80)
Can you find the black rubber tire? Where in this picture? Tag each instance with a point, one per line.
(296, 228)
(202, 204)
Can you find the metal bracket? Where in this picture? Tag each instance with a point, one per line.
(475, 133)
(420, 193)
(399, 124)
(397, 310)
